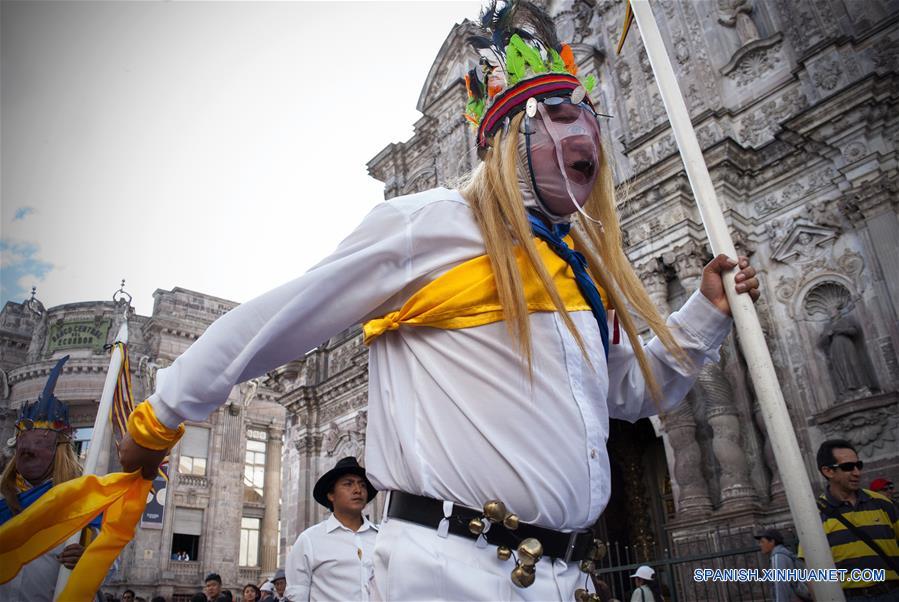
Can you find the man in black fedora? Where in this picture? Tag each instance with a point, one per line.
(333, 559)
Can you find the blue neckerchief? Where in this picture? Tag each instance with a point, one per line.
(554, 238)
(26, 498)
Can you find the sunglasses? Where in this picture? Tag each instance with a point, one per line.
(848, 466)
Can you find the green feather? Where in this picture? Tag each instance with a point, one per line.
(475, 108)
(531, 56)
(514, 65)
(557, 64)
(590, 83)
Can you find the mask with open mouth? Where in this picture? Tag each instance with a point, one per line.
(563, 158)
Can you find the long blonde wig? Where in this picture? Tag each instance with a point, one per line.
(65, 468)
(493, 192)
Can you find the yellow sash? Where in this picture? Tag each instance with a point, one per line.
(466, 295)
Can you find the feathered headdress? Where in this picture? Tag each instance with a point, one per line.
(521, 58)
(48, 412)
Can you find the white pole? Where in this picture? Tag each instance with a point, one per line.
(752, 340)
(100, 434)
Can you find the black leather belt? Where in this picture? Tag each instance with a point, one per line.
(428, 512)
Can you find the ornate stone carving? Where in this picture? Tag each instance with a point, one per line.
(828, 76)
(868, 430)
(727, 441)
(754, 61)
(623, 74)
(681, 429)
(802, 243)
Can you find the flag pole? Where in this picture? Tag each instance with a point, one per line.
(101, 432)
(752, 340)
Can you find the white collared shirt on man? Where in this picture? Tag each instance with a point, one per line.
(452, 414)
(330, 561)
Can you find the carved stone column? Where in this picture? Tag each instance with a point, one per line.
(776, 487)
(688, 261)
(727, 441)
(271, 494)
(680, 426)
(656, 284)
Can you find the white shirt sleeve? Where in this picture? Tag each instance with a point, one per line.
(298, 570)
(699, 327)
(367, 269)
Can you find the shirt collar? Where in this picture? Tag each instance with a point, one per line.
(831, 500)
(332, 523)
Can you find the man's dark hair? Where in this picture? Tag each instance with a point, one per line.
(213, 577)
(825, 452)
(129, 591)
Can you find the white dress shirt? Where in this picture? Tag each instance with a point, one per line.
(330, 561)
(452, 413)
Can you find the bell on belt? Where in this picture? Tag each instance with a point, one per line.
(476, 526)
(503, 553)
(597, 550)
(587, 566)
(581, 595)
(511, 522)
(523, 576)
(529, 552)
(495, 510)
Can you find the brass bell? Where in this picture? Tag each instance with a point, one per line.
(529, 551)
(503, 553)
(511, 522)
(581, 595)
(594, 598)
(476, 525)
(587, 566)
(598, 550)
(495, 511)
(523, 576)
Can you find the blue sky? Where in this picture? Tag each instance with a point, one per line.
(216, 146)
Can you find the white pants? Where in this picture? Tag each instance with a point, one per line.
(413, 563)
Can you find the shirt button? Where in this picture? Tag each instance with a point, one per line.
(593, 453)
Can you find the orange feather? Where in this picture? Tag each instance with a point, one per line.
(568, 58)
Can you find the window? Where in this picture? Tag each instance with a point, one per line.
(186, 533)
(194, 451)
(81, 439)
(249, 541)
(254, 467)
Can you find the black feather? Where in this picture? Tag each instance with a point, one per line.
(503, 19)
(480, 42)
(533, 18)
(474, 83)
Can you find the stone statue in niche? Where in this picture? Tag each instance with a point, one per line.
(330, 439)
(843, 343)
(735, 13)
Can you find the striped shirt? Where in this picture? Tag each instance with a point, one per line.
(873, 514)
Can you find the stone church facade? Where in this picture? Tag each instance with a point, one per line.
(221, 502)
(794, 107)
(794, 103)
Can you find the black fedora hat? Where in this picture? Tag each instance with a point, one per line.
(348, 465)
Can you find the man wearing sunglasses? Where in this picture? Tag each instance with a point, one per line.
(862, 526)
(44, 457)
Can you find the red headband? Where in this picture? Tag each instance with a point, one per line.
(513, 100)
